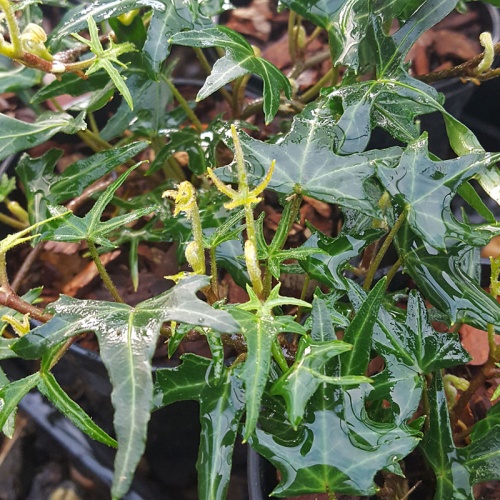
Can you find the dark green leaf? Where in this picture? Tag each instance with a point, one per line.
(221, 408)
(240, 59)
(305, 163)
(16, 135)
(336, 448)
(51, 389)
(457, 469)
(260, 329)
(150, 103)
(359, 332)
(327, 267)
(71, 84)
(127, 339)
(307, 373)
(425, 189)
(12, 393)
(90, 227)
(444, 283)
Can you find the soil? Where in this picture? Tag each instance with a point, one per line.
(32, 466)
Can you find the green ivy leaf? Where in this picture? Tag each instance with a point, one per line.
(348, 23)
(16, 135)
(260, 329)
(411, 349)
(51, 389)
(90, 227)
(127, 338)
(425, 189)
(305, 163)
(150, 99)
(457, 469)
(359, 332)
(221, 408)
(240, 59)
(444, 283)
(327, 267)
(336, 447)
(392, 103)
(307, 373)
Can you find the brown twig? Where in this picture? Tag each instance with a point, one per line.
(465, 70)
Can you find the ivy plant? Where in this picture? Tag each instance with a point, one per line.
(338, 383)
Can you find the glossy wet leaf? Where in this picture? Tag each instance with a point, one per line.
(411, 349)
(239, 60)
(127, 339)
(443, 282)
(457, 469)
(90, 227)
(359, 332)
(327, 267)
(71, 84)
(43, 186)
(150, 104)
(307, 373)
(12, 393)
(347, 24)
(392, 103)
(425, 189)
(169, 17)
(221, 401)
(306, 163)
(336, 447)
(51, 389)
(260, 329)
(16, 79)
(16, 135)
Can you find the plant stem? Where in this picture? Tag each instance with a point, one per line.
(10, 221)
(106, 279)
(13, 51)
(392, 272)
(314, 90)
(475, 383)
(285, 225)
(214, 283)
(292, 46)
(466, 69)
(279, 356)
(185, 106)
(383, 249)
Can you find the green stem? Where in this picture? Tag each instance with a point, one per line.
(14, 50)
(303, 294)
(214, 283)
(383, 249)
(392, 272)
(10, 221)
(106, 279)
(288, 217)
(292, 47)
(185, 106)
(238, 95)
(314, 90)
(279, 356)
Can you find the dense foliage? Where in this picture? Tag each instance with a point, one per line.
(296, 385)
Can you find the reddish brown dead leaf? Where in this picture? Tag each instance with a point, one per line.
(85, 276)
(475, 342)
(253, 20)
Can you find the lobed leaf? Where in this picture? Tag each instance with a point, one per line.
(127, 339)
(221, 400)
(240, 59)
